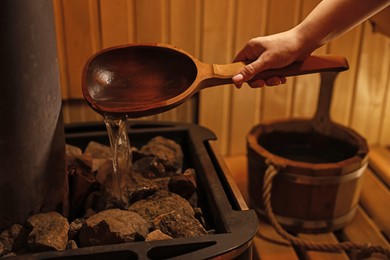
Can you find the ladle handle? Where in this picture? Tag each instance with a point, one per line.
(313, 64)
(321, 121)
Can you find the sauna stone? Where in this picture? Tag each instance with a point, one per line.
(113, 226)
(81, 179)
(162, 183)
(95, 202)
(13, 239)
(49, 232)
(74, 228)
(89, 212)
(72, 150)
(200, 217)
(168, 151)
(105, 169)
(71, 245)
(135, 187)
(80, 165)
(98, 150)
(150, 167)
(184, 184)
(161, 202)
(157, 235)
(178, 224)
(139, 187)
(97, 164)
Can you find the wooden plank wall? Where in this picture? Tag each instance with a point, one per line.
(213, 31)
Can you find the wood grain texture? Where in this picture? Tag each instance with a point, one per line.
(214, 31)
(182, 24)
(375, 199)
(117, 23)
(245, 105)
(365, 227)
(214, 102)
(384, 131)
(345, 85)
(306, 88)
(79, 41)
(370, 99)
(362, 229)
(276, 102)
(379, 162)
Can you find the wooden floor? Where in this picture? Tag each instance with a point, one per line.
(371, 223)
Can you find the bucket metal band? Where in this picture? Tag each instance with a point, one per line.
(322, 180)
(325, 224)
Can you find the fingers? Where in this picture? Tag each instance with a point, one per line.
(250, 52)
(250, 70)
(238, 80)
(262, 56)
(274, 81)
(259, 83)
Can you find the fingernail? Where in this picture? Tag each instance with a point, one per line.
(238, 78)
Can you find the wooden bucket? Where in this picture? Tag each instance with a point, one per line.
(320, 168)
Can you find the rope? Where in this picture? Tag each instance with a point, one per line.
(365, 249)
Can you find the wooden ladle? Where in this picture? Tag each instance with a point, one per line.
(142, 80)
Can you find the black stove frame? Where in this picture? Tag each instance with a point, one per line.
(224, 208)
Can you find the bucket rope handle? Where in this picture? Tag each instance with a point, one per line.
(365, 249)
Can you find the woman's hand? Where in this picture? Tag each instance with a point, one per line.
(269, 52)
(328, 20)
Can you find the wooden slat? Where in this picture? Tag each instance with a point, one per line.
(79, 111)
(384, 138)
(381, 21)
(306, 87)
(375, 199)
(214, 31)
(148, 25)
(345, 84)
(148, 21)
(371, 86)
(269, 245)
(94, 22)
(119, 28)
(214, 102)
(181, 22)
(61, 52)
(182, 25)
(80, 40)
(363, 230)
(323, 238)
(379, 157)
(245, 101)
(81, 37)
(276, 101)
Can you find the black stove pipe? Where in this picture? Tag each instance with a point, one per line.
(32, 144)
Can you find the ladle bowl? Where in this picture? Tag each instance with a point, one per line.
(139, 80)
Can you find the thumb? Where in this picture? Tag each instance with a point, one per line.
(250, 70)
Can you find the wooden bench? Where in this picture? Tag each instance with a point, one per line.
(371, 223)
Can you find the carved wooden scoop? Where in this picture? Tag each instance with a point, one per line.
(142, 80)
